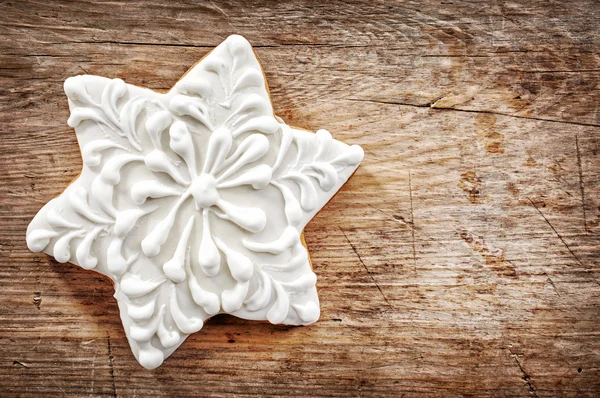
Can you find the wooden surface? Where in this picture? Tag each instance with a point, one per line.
(462, 258)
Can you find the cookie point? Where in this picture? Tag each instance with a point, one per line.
(309, 313)
(71, 84)
(238, 45)
(360, 153)
(237, 38)
(151, 359)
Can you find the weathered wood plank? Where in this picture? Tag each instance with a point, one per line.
(461, 259)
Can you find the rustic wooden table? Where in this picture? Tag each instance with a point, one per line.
(461, 259)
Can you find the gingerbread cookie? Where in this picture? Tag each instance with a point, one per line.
(193, 202)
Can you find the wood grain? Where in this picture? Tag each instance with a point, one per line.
(462, 259)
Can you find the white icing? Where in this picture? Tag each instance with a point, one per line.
(207, 300)
(141, 313)
(115, 261)
(57, 221)
(84, 258)
(62, 247)
(168, 337)
(133, 286)
(209, 257)
(193, 201)
(174, 268)
(91, 153)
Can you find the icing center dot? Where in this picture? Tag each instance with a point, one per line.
(204, 191)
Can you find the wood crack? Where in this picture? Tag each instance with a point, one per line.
(556, 232)
(366, 268)
(138, 43)
(412, 220)
(581, 188)
(23, 364)
(428, 105)
(551, 282)
(37, 299)
(526, 378)
(408, 224)
(211, 46)
(110, 363)
(559, 71)
(562, 240)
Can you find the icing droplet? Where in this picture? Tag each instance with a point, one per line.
(134, 286)
(159, 162)
(56, 220)
(279, 310)
(324, 173)
(150, 357)
(113, 91)
(156, 124)
(293, 212)
(259, 177)
(351, 157)
(145, 332)
(111, 172)
(116, 263)
(168, 337)
(190, 106)
(299, 259)
(152, 243)
(91, 152)
(261, 297)
(252, 219)
(324, 140)
(252, 104)
(309, 312)
(207, 300)
(286, 140)
(265, 124)
(301, 284)
(186, 324)
(75, 90)
(141, 191)
(174, 268)
(308, 193)
(129, 114)
(84, 258)
(219, 146)
(208, 256)
(195, 87)
(232, 299)
(289, 237)
(250, 150)
(142, 312)
(127, 219)
(102, 193)
(62, 247)
(249, 78)
(239, 48)
(240, 266)
(38, 239)
(78, 201)
(181, 143)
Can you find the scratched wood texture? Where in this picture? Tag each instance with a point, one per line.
(462, 258)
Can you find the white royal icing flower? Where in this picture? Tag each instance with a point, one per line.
(193, 202)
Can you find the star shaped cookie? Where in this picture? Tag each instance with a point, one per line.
(193, 202)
